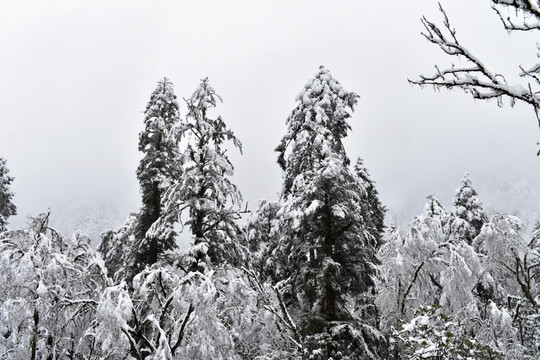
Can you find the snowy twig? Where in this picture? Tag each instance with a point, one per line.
(474, 77)
(527, 9)
(283, 315)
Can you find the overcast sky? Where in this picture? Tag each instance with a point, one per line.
(75, 77)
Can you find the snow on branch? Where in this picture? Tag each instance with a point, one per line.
(473, 76)
(519, 15)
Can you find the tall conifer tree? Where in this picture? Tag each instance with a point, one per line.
(328, 245)
(204, 195)
(467, 215)
(155, 173)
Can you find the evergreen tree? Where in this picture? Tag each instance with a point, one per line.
(433, 213)
(373, 210)
(467, 216)
(433, 208)
(156, 170)
(327, 243)
(7, 208)
(204, 190)
(262, 238)
(114, 246)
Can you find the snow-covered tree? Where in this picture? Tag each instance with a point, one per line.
(155, 173)
(203, 196)
(425, 268)
(440, 296)
(327, 244)
(467, 215)
(172, 314)
(431, 334)
(409, 274)
(434, 209)
(472, 75)
(512, 265)
(373, 210)
(7, 208)
(115, 247)
(49, 288)
(262, 238)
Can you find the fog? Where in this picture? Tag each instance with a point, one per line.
(76, 77)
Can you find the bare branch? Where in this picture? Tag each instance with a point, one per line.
(525, 14)
(474, 77)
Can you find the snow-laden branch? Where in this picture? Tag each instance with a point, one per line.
(473, 76)
(282, 314)
(518, 15)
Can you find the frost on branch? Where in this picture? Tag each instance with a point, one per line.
(49, 287)
(518, 15)
(204, 193)
(471, 75)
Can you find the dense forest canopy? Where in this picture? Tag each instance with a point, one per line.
(312, 274)
(330, 265)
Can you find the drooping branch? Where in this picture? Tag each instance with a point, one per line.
(473, 76)
(282, 314)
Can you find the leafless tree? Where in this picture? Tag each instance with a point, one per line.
(472, 76)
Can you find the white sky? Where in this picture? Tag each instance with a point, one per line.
(75, 77)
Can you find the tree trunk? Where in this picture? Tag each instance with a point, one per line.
(33, 341)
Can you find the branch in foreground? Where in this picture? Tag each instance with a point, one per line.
(525, 14)
(474, 77)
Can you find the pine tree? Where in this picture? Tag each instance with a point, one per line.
(155, 173)
(327, 243)
(204, 190)
(7, 208)
(467, 215)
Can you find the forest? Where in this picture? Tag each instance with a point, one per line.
(316, 274)
(319, 273)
